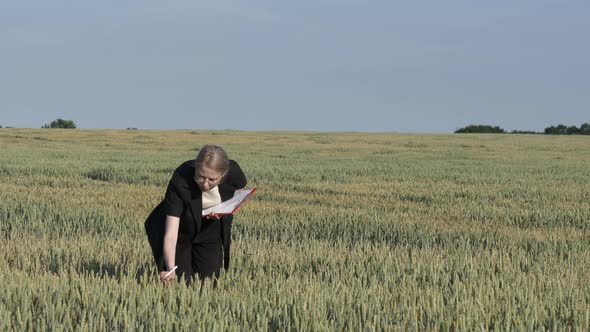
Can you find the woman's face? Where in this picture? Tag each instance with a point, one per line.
(207, 178)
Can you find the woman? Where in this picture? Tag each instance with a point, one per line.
(178, 234)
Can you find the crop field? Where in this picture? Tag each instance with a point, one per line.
(347, 231)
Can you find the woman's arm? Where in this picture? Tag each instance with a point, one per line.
(173, 209)
(170, 238)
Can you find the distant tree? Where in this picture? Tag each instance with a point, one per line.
(556, 130)
(572, 130)
(524, 132)
(480, 129)
(0, 126)
(550, 131)
(60, 123)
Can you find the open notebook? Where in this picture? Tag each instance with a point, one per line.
(231, 205)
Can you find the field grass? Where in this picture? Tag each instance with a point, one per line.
(348, 231)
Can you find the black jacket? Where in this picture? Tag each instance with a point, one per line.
(183, 199)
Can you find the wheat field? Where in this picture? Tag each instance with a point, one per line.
(347, 231)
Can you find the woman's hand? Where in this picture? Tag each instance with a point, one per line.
(166, 280)
(213, 216)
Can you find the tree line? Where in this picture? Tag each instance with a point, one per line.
(560, 129)
(59, 123)
(64, 124)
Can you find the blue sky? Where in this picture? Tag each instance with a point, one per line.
(327, 65)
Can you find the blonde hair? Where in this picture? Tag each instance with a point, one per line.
(214, 157)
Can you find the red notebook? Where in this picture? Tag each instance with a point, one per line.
(231, 205)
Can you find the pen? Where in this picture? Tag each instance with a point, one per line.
(170, 272)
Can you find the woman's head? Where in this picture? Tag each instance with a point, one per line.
(211, 165)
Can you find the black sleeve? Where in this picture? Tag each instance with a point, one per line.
(173, 204)
(236, 177)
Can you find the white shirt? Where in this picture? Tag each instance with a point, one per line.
(211, 197)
